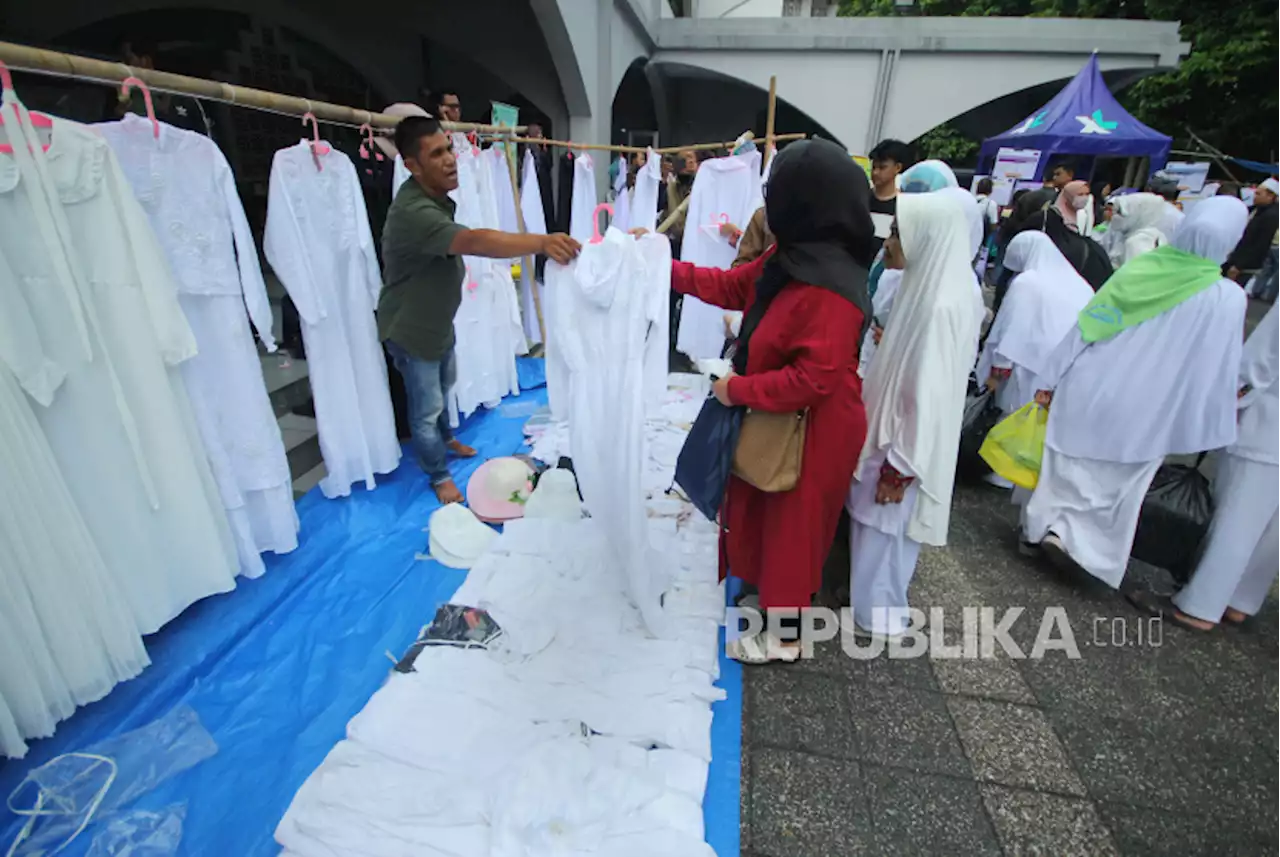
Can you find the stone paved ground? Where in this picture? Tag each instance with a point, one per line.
(1130, 750)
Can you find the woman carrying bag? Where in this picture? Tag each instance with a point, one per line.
(795, 374)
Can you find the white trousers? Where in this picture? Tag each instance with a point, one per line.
(882, 558)
(1093, 506)
(1240, 556)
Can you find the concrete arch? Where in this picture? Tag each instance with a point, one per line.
(393, 51)
(701, 104)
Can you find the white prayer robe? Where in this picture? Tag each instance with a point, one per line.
(915, 401)
(317, 240)
(605, 308)
(1240, 559)
(65, 628)
(724, 190)
(1138, 218)
(186, 187)
(581, 213)
(101, 299)
(1043, 302)
(535, 223)
(1124, 403)
(486, 327)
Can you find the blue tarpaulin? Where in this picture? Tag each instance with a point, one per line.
(276, 668)
(1083, 119)
(1258, 166)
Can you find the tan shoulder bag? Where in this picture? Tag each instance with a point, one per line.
(770, 449)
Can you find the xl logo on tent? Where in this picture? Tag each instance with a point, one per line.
(1095, 124)
(1034, 122)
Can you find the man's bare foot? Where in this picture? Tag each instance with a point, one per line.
(1234, 616)
(447, 492)
(460, 449)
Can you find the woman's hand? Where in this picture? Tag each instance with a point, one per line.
(639, 231)
(1044, 398)
(720, 388)
(892, 487)
(877, 333)
(889, 490)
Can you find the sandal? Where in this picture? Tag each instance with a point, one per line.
(761, 648)
(1233, 616)
(1162, 606)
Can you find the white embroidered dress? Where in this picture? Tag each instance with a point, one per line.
(319, 243)
(186, 187)
(104, 307)
(66, 632)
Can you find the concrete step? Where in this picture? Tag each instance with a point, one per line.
(301, 443)
(287, 383)
(304, 483)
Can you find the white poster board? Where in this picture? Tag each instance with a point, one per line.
(1016, 164)
(1190, 175)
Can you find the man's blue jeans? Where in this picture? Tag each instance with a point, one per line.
(427, 384)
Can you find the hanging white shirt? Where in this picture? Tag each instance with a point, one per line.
(186, 187)
(318, 241)
(724, 190)
(102, 300)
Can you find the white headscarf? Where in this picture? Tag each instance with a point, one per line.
(973, 212)
(927, 176)
(915, 390)
(1213, 228)
(1138, 217)
(1042, 305)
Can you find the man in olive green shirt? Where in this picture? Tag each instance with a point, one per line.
(422, 250)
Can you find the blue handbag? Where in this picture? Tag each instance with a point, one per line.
(706, 459)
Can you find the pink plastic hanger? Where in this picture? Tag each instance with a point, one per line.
(367, 145)
(130, 82)
(38, 120)
(596, 237)
(317, 147)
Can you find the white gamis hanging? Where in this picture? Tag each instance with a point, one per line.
(186, 187)
(318, 241)
(115, 413)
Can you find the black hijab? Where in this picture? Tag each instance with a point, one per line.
(817, 207)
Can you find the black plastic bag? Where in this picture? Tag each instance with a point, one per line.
(706, 458)
(980, 415)
(1174, 519)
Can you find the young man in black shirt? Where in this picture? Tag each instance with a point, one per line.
(888, 159)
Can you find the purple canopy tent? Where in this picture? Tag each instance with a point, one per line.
(1084, 119)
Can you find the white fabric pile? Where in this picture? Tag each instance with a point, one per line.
(577, 734)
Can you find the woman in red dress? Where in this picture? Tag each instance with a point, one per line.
(807, 308)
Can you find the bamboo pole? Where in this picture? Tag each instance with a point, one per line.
(769, 139)
(673, 216)
(58, 64)
(596, 147)
(527, 268)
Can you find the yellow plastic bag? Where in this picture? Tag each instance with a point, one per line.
(1014, 446)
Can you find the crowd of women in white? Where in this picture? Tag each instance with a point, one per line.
(1151, 366)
